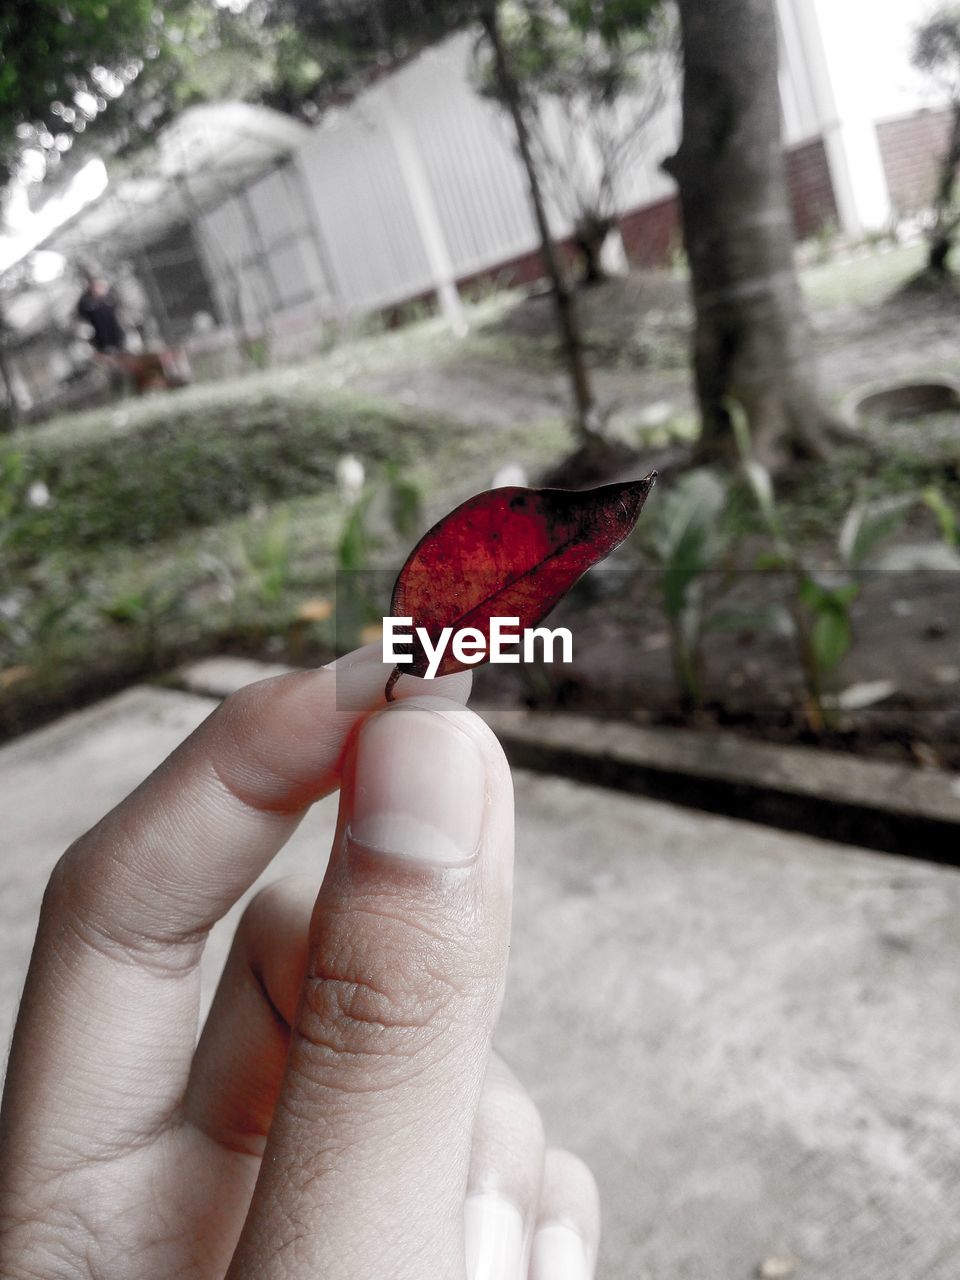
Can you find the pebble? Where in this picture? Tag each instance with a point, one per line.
(777, 1268)
(865, 694)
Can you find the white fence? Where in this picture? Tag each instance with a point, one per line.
(414, 185)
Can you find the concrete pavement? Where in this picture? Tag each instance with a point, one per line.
(754, 1038)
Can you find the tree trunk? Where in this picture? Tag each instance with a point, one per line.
(589, 237)
(585, 410)
(945, 225)
(752, 341)
(10, 413)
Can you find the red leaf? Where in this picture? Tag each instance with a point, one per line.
(508, 553)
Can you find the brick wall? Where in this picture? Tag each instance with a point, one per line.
(811, 188)
(650, 233)
(911, 147)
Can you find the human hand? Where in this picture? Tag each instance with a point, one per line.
(342, 1115)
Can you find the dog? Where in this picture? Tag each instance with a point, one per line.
(147, 371)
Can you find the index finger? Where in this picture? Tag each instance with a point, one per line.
(108, 1020)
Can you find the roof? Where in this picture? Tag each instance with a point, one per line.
(195, 162)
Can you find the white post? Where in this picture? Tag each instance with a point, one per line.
(315, 228)
(425, 213)
(848, 130)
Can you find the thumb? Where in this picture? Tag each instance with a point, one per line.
(366, 1164)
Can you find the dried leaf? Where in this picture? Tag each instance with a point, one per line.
(13, 675)
(317, 610)
(508, 552)
(777, 1268)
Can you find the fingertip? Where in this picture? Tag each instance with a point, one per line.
(363, 674)
(420, 784)
(280, 742)
(456, 687)
(567, 1236)
(437, 700)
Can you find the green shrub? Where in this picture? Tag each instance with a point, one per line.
(173, 471)
(820, 614)
(684, 535)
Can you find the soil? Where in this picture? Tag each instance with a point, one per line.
(907, 635)
(636, 331)
(907, 626)
(636, 338)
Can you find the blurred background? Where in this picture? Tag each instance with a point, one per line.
(398, 252)
(283, 281)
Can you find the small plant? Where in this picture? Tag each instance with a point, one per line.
(820, 614)
(686, 537)
(269, 551)
(826, 236)
(37, 634)
(12, 483)
(677, 259)
(945, 516)
(52, 633)
(386, 510)
(147, 611)
(257, 352)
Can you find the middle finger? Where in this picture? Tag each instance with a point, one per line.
(506, 1169)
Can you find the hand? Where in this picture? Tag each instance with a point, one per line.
(342, 1115)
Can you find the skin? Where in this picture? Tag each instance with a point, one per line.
(343, 1108)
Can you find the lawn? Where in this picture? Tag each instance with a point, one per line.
(136, 535)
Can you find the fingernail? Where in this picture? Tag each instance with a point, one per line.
(558, 1254)
(493, 1235)
(420, 788)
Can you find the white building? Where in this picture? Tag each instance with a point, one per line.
(414, 190)
(847, 85)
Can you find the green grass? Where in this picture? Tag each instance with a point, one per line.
(190, 469)
(210, 517)
(861, 281)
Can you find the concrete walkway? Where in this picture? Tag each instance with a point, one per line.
(753, 1038)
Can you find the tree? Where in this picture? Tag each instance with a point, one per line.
(936, 50)
(358, 33)
(509, 92)
(11, 283)
(587, 95)
(752, 342)
(212, 52)
(9, 409)
(60, 66)
(107, 74)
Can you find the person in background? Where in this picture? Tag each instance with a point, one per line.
(98, 306)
